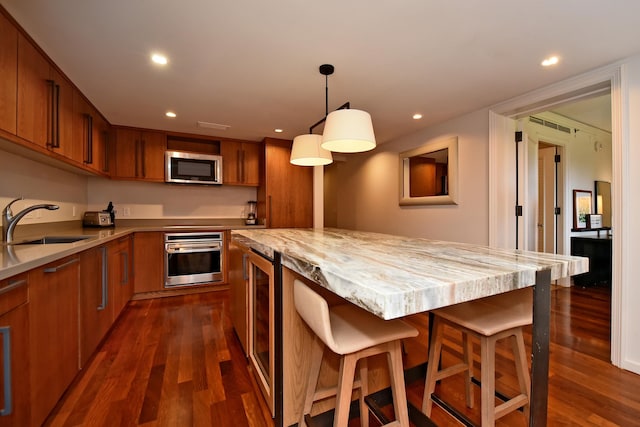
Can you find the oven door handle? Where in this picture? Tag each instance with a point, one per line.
(191, 248)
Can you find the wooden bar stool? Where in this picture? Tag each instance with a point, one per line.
(489, 319)
(354, 334)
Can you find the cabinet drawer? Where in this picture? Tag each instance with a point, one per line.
(13, 292)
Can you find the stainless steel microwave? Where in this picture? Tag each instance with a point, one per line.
(193, 168)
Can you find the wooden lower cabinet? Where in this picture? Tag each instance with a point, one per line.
(148, 256)
(14, 347)
(120, 274)
(96, 315)
(239, 298)
(53, 333)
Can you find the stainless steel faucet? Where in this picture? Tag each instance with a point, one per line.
(9, 221)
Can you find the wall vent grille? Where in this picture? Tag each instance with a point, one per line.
(549, 124)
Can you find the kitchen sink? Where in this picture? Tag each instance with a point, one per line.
(47, 240)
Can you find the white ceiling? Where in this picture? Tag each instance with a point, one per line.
(253, 64)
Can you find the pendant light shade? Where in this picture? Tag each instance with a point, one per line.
(306, 151)
(348, 131)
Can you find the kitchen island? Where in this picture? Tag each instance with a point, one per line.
(393, 277)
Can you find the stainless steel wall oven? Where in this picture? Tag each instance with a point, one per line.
(193, 258)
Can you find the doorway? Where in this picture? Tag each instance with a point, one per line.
(548, 197)
(502, 125)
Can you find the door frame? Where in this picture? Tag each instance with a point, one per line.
(500, 211)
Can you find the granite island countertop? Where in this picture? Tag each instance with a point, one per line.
(394, 276)
(16, 259)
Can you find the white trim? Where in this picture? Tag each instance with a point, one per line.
(561, 92)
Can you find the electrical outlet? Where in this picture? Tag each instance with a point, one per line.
(126, 211)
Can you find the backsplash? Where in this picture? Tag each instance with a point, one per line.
(145, 200)
(41, 183)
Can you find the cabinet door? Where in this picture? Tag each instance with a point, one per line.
(148, 255)
(252, 157)
(63, 119)
(230, 152)
(120, 277)
(34, 95)
(140, 154)
(98, 158)
(288, 188)
(95, 308)
(152, 148)
(239, 301)
(53, 326)
(9, 73)
(84, 138)
(127, 150)
(241, 163)
(14, 348)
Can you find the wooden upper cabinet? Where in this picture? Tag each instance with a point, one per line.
(9, 73)
(139, 154)
(34, 121)
(63, 118)
(241, 162)
(99, 158)
(45, 104)
(285, 198)
(89, 134)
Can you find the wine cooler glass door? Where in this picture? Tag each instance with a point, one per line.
(262, 323)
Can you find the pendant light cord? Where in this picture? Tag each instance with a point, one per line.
(326, 95)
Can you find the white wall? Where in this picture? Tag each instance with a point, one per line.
(630, 297)
(367, 187)
(41, 183)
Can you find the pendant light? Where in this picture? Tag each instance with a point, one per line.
(348, 131)
(306, 149)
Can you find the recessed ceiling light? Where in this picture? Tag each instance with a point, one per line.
(278, 130)
(417, 116)
(159, 59)
(552, 60)
(170, 114)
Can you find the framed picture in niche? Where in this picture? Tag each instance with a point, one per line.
(582, 205)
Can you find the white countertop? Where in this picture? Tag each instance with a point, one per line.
(393, 276)
(16, 259)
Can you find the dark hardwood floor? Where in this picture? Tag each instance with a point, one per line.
(177, 362)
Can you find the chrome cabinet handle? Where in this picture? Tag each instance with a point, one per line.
(13, 285)
(60, 267)
(105, 280)
(6, 356)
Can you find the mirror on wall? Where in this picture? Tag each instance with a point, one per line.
(603, 202)
(429, 174)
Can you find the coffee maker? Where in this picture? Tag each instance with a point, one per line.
(251, 212)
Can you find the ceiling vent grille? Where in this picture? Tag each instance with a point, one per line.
(549, 124)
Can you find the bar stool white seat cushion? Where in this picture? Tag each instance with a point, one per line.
(494, 314)
(346, 328)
